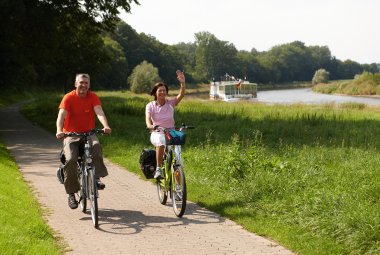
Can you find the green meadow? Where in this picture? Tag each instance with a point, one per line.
(305, 176)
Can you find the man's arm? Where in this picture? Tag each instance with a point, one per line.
(102, 118)
(60, 120)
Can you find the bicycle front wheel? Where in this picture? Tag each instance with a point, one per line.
(179, 192)
(81, 195)
(161, 191)
(93, 196)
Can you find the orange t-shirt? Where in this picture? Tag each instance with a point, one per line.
(80, 115)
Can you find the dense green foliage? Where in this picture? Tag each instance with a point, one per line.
(363, 84)
(48, 42)
(306, 176)
(140, 47)
(320, 76)
(23, 230)
(114, 74)
(142, 77)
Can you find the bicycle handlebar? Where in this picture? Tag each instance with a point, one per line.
(75, 134)
(182, 127)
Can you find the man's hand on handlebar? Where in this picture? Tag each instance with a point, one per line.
(107, 130)
(60, 135)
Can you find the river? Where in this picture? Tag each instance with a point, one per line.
(307, 96)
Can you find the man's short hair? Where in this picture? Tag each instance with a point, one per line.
(82, 75)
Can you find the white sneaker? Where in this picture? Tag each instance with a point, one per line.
(158, 173)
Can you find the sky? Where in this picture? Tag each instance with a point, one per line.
(349, 28)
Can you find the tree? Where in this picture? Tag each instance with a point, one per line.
(320, 76)
(103, 13)
(45, 42)
(213, 57)
(372, 68)
(143, 77)
(249, 66)
(140, 47)
(115, 73)
(187, 50)
(320, 57)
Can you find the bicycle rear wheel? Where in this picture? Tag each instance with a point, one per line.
(93, 196)
(81, 194)
(179, 192)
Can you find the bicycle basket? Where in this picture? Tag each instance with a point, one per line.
(148, 163)
(174, 137)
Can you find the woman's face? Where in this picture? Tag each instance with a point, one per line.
(161, 92)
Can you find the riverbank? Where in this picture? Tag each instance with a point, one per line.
(365, 84)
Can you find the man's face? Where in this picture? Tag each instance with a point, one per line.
(82, 85)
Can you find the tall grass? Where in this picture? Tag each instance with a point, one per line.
(306, 176)
(363, 84)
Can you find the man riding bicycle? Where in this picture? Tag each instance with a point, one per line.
(77, 112)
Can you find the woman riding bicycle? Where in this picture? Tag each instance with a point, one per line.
(160, 112)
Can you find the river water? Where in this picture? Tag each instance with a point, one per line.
(307, 96)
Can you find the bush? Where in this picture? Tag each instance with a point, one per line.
(320, 76)
(143, 77)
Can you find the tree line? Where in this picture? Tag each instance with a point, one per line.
(46, 42)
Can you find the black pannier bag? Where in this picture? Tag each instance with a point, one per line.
(148, 163)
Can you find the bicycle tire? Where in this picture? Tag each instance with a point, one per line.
(161, 190)
(93, 197)
(81, 192)
(179, 196)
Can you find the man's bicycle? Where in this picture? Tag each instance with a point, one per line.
(173, 182)
(86, 174)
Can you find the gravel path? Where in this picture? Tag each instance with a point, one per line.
(131, 219)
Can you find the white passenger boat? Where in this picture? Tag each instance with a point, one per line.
(231, 90)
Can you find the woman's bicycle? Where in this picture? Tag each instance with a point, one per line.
(173, 182)
(86, 174)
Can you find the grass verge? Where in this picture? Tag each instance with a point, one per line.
(23, 229)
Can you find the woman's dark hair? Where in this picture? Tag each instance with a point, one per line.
(156, 86)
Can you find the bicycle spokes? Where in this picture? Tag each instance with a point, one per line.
(93, 196)
(162, 191)
(179, 192)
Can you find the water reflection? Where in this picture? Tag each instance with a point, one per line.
(307, 96)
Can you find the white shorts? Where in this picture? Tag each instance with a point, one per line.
(157, 139)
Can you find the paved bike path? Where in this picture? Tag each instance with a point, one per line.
(131, 219)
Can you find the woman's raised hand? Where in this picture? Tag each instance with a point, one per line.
(181, 76)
